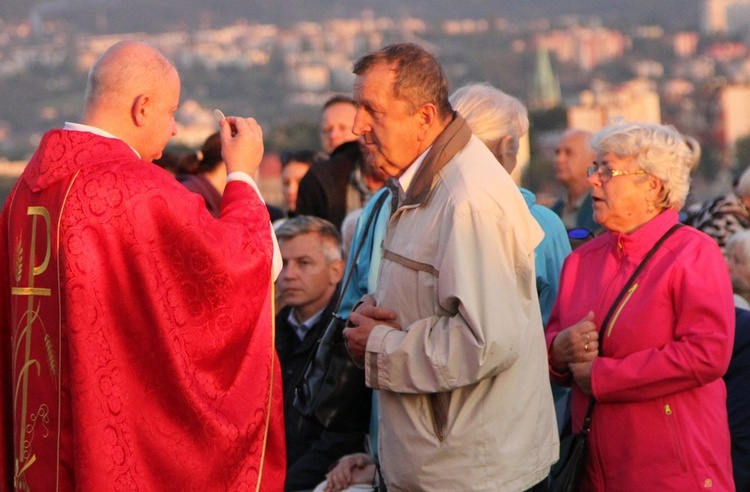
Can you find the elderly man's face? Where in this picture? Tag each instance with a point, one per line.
(573, 156)
(386, 124)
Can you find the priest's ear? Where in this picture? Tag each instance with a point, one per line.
(141, 106)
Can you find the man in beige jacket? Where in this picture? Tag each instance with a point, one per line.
(452, 339)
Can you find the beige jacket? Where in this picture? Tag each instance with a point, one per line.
(464, 396)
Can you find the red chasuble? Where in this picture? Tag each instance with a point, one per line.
(136, 330)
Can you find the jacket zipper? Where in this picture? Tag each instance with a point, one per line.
(619, 309)
(439, 411)
(675, 437)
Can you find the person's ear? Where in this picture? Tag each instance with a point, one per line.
(140, 108)
(506, 144)
(428, 116)
(655, 187)
(336, 271)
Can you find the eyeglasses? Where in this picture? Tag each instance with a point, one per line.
(605, 173)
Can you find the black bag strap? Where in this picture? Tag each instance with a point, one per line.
(587, 420)
(374, 213)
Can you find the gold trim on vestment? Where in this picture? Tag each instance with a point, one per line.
(270, 389)
(31, 291)
(24, 456)
(59, 332)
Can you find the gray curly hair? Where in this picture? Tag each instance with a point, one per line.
(660, 150)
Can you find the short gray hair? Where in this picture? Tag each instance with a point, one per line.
(660, 150)
(308, 224)
(419, 77)
(491, 113)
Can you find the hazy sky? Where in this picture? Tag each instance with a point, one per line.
(154, 14)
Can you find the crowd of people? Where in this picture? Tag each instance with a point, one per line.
(156, 320)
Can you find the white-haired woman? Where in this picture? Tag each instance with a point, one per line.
(500, 120)
(660, 419)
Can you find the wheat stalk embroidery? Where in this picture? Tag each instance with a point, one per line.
(49, 345)
(19, 261)
(51, 357)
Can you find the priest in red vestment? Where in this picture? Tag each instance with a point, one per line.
(136, 345)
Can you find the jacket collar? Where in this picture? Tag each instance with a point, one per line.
(63, 152)
(454, 138)
(288, 341)
(636, 244)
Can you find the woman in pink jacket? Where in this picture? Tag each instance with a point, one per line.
(660, 420)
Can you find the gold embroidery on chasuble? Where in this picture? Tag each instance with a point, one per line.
(36, 335)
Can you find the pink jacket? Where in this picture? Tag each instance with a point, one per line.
(660, 422)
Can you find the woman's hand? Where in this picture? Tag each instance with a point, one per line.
(351, 469)
(579, 343)
(582, 375)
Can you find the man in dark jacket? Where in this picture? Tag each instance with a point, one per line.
(311, 250)
(333, 188)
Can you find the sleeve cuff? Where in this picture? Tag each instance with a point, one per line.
(375, 345)
(277, 260)
(245, 178)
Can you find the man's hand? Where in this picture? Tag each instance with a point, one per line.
(351, 469)
(241, 144)
(361, 323)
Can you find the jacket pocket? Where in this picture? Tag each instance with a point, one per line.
(439, 412)
(412, 279)
(669, 412)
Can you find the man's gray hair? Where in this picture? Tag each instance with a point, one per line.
(419, 77)
(308, 224)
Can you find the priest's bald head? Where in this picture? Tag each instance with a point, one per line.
(133, 92)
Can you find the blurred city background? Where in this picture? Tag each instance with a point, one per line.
(577, 63)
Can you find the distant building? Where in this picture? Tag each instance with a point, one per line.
(685, 44)
(587, 47)
(636, 100)
(734, 103)
(544, 90)
(522, 159)
(315, 77)
(465, 26)
(725, 16)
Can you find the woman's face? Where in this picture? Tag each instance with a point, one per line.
(621, 203)
(291, 175)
